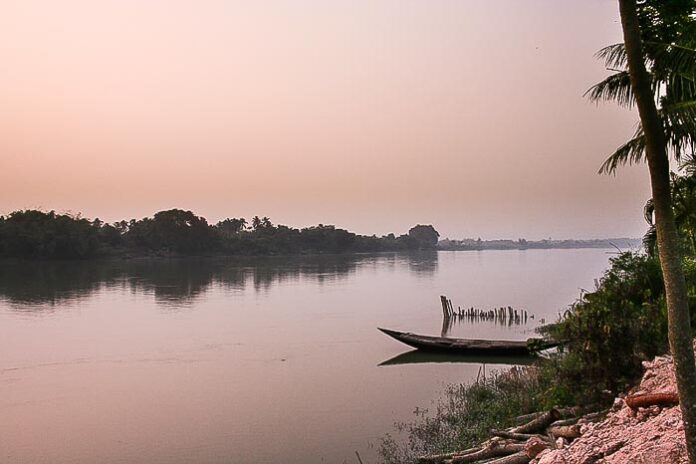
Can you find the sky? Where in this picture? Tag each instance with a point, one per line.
(373, 115)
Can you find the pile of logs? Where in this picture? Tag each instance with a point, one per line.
(521, 444)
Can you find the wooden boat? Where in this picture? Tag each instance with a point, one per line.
(470, 346)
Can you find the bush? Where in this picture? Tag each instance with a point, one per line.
(608, 333)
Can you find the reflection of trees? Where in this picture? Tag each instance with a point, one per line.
(181, 281)
(423, 263)
(52, 282)
(177, 281)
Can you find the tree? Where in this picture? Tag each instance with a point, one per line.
(174, 230)
(37, 234)
(230, 227)
(679, 323)
(424, 236)
(668, 34)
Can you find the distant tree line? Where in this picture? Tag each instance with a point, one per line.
(39, 234)
(546, 244)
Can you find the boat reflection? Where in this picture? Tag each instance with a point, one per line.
(420, 357)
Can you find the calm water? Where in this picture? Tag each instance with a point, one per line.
(245, 361)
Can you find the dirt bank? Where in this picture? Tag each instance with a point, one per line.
(649, 435)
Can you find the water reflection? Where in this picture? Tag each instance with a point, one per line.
(423, 263)
(38, 286)
(419, 357)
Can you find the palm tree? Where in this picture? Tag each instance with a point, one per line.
(668, 34)
(655, 148)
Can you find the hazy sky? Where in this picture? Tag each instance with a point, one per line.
(373, 115)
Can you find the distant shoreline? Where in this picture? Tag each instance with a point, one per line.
(34, 234)
(622, 243)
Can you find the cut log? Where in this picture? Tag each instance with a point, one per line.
(539, 423)
(571, 421)
(565, 413)
(523, 419)
(493, 450)
(566, 431)
(651, 399)
(516, 436)
(594, 416)
(438, 458)
(517, 458)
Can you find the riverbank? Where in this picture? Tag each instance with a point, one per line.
(651, 433)
(608, 335)
(643, 426)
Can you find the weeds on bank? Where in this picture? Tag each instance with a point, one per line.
(464, 416)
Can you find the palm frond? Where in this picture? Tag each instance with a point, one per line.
(614, 56)
(616, 87)
(679, 122)
(650, 241)
(673, 58)
(631, 152)
(688, 165)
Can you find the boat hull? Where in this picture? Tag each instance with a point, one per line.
(466, 346)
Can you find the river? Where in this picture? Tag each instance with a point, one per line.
(263, 360)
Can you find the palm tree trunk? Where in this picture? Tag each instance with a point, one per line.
(679, 323)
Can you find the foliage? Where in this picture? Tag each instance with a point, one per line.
(608, 333)
(174, 230)
(683, 187)
(668, 30)
(35, 234)
(464, 416)
(424, 236)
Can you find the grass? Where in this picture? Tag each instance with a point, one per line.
(464, 416)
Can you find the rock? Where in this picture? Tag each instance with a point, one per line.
(534, 446)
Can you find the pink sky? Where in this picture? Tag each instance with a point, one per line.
(373, 115)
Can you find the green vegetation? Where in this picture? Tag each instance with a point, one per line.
(37, 234)
(465, 416)
(608, 333)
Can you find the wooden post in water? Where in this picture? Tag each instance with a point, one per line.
(443, 302)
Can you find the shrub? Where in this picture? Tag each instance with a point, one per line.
(608, 333)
